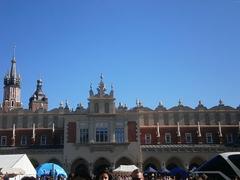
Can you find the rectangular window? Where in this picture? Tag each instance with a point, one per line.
(101, 135)
(148, 139)
(168, 138)
(3, 140)
(83, 136)
(119, 135)
(229, 138)
(188, 138)
(23, 140)
(43, 140)
(209, 138)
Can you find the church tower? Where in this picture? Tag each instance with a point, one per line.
(12, 89)
(38, 100)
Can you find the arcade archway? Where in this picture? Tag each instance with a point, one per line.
(101, 164)
(55, 161)
(195, 162)
(174, 162)
(123, 161)
(151, 162)
(80, 167)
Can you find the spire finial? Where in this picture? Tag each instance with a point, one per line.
(101, 87)
(14, 49)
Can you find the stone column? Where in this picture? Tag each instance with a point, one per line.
(13, 141)
(186, 166)
(179, 140)
(91, 131)
(126, 131)
(67, 165)
(113, 165)
(199, 138)
(112, 132)
(91, 173)
(221, 140)
(163, 165)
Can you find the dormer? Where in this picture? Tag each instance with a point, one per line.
(101, 102)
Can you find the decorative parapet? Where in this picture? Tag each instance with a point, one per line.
(110, 147)
(188, 148)
(32, 150)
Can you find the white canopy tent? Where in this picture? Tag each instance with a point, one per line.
(125, 169)
(16, 166)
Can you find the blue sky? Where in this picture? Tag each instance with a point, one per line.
(153, 50)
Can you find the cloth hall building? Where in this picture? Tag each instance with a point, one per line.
(106, 135)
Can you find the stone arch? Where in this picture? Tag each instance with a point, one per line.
(34, 162)
(80, 167)
(151, 162)
(195, 162)
(123, 161)
(174, 162)
(100, 164)
(55, 161)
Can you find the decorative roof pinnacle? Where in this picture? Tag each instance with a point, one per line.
(199, 102)
(160, 103)
(221, 102)
(179, 102)
(137, 102)
(90, 85)
(61, 104)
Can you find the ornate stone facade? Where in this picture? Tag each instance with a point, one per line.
(87, 139)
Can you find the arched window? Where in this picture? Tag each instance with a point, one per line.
(106, 107)
(96, 108)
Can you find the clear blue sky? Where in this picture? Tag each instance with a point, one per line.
(148, 49)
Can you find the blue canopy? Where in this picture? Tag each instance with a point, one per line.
(179, 171)
(50, 169)
(164, 172)
(150, 170)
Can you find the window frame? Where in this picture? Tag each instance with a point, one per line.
(23, 139)
(229, 136)
(119, 135)
(209, 135)
(148, 138)
(83, 135)
(96, 107)
(106, 108)
(102, 135)
(166, 139)
(43, 140)
(188, 135)
(3, 139)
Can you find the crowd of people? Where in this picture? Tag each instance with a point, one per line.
(135, 175)
(105, 174)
